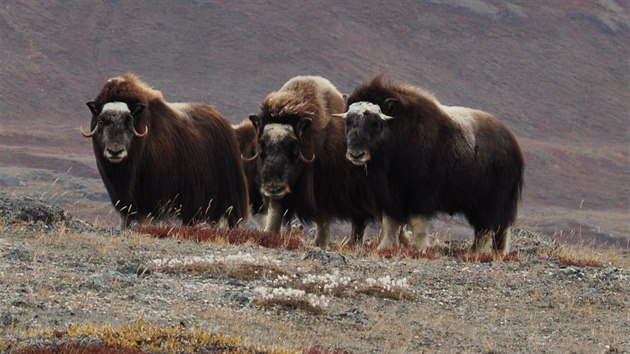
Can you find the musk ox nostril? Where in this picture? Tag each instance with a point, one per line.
(357, 154)
(274, 187)
(115, 152)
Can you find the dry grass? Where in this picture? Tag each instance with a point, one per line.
(229, 236)
(291, 304)
(245, 271)
(140, 337)
(487, 257)
(575, 255)
(318, 349)
(383, 293)
(585, 255)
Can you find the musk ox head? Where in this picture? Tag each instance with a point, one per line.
(366, 129)
(281, 157)
(113, 128)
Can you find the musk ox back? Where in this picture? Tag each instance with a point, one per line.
(157, 158)
(424, 158)
(302, 151)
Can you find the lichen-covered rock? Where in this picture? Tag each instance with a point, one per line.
(25, 209)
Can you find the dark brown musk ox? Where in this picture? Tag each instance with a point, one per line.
(159, 159)
(422, 158)
(301, 149)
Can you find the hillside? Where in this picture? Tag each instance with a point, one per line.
(559, 76)
(68, 285)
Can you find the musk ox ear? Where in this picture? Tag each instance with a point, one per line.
(345, 98)
(95, 107)
(136, 108)
(302, 125)
(255, 119)
(390, 106)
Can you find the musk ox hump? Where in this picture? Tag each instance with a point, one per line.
(465, 118)
(127, 88)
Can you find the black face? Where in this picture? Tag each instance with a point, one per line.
(280, 159)
(365, 132)
(114, 132)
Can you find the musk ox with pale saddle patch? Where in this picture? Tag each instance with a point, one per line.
(422, 158)
(302, 148)
(159, 159)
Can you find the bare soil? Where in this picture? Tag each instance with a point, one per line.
(57, 273)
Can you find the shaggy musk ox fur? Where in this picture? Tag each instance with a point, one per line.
(159, 159)
(247, 138)
(422, 158)
(302, 154)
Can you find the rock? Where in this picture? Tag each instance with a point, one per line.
(325, 256)
(25, 209)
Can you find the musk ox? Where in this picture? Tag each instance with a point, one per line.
(302, 148)
(422, 158)
(247, 138)
(158, 159)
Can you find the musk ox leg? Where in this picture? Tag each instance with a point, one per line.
(482, 237)
(356, 235)
(323, 234)
(260, 219)
(501, 241)
(390, 232)
(419, 237)
(274, 217)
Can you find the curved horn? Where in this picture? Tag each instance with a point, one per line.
(305, 159)
(340, 115)
(385, 116)
(248, 159)
(139, 135)
(90, 134)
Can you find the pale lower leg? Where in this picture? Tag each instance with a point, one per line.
(481, 240)
(323, 234)
(274, 217)
(502, 242)
(391, 230)
(419, 237)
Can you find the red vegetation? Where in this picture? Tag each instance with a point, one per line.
(293, 241)
(231, 236)
(78, 348)
(579, 262)
(318, 349)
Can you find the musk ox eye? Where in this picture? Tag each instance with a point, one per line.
(375, 125)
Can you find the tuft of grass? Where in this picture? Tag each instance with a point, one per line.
(245, 271)
(318, 349)
(291, 303)
(579, 262)
(80, 348)
(392, 294)
(488, 257)
(588, 256)
(138, 337)
(230, 236)
(404, 252)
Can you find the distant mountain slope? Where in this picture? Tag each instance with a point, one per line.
(557, 73)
